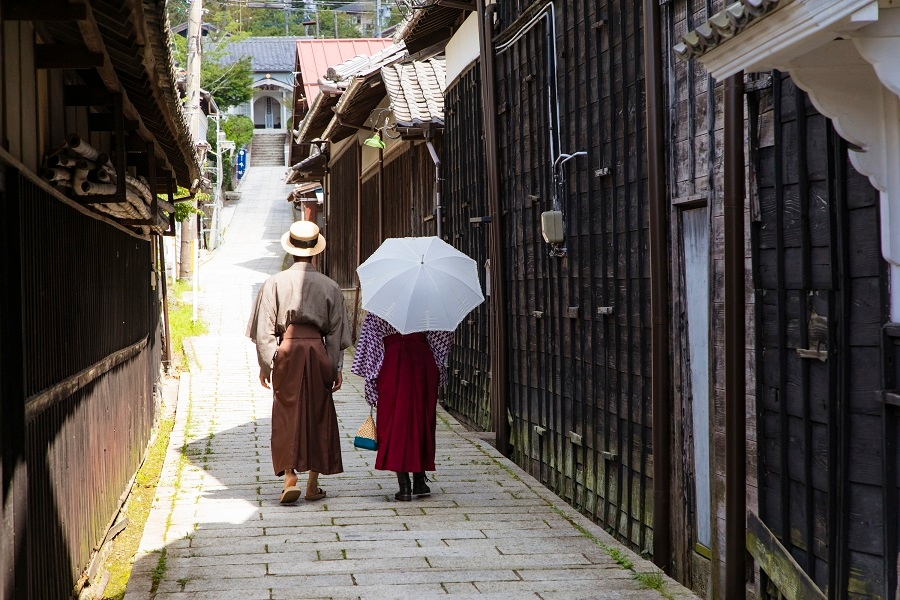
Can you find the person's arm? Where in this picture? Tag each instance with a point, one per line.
(261, 329)
(338, 336)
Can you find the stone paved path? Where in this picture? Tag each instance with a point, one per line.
(216, 529)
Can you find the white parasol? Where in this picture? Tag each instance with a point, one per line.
(420, 284)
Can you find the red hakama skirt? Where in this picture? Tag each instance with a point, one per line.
(407, 405)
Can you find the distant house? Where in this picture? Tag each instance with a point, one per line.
(272, 60)
(363, 15)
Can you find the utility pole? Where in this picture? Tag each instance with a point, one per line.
(378, 21)
(188, 264)
(334, 11)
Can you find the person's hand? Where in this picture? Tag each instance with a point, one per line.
(263, 380)
(338, 382)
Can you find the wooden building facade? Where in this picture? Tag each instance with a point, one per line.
(616, 379)
(81, 332)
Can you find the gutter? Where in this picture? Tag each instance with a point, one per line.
(660, 385)
(429, 135)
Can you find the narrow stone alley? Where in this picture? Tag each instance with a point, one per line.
(217, 531)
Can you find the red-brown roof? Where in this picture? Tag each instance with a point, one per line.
(315, 56)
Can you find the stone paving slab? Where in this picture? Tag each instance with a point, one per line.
(216, 529)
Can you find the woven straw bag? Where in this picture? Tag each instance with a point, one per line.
(367, 436)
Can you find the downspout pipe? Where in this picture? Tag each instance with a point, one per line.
(660, 387)
(498, 287)
(735, 343)
(429, 135)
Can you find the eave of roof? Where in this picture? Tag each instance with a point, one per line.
(136, 38)
(430, 23)
(310, 169)
(724, 25)
(318, 117)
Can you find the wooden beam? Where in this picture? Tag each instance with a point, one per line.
(47, 10)
(778, 564)
(105, 122)
(65, 56)
(86, 95)
(119, 158)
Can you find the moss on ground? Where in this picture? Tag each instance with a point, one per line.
(121, 559)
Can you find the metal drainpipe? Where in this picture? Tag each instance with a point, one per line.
(380, 195)
(429, 134)
(498, 288)
(659, 289)
(735, 339)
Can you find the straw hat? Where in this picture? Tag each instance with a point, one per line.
(303, 239)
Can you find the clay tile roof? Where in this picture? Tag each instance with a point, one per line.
(315, 56)
(416, 90)
(266, 53)
(724, 25)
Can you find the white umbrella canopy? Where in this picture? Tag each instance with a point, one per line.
(420, 284)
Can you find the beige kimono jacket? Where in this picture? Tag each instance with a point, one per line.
(299, 295)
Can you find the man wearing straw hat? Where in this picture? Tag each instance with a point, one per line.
(300, 329)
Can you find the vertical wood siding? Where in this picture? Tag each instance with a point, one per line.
(822, 283)
(694, 174)
(83, 449)
(465, 197)
(580, 378)
(342, 204)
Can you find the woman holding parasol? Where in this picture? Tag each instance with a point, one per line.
(417, 291)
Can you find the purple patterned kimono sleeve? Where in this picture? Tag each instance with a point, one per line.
(441, 343)
(370, 354)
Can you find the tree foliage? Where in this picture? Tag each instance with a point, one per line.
(239, 129)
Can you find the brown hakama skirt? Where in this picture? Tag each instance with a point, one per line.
(304, 423)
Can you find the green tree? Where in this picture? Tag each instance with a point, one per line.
(238, 129)
(229, 81)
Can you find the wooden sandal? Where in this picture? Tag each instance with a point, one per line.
(317, 496)
(290, 495)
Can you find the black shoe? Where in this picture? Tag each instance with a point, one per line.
(405, 493)
(419, 487)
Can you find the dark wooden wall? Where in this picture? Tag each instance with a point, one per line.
(822, 284)
(579, 375)
(695, 179)
(84, 442)
(343, 196)
(465, 198)
(76, 291)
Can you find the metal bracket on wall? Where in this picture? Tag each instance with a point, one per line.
(821, 355)
(604, 310)
(572, 312)
(601, 172)
(608, 455)
(537, 314)
(575, 438)
(890, 397)
(540, 430)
